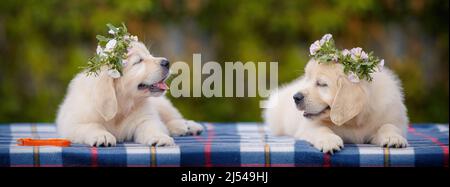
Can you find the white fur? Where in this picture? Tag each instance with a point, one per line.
(100, 110)
(382, 121)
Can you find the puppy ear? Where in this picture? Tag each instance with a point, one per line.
(348, 102)
(104, 95)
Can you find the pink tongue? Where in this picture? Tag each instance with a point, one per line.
(162, 86)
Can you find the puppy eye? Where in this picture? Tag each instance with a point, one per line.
(139, 61)
(319, 84)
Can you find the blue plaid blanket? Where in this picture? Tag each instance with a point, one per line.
(237, 144)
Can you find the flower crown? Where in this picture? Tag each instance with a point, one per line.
(357, 64)
(111, 51)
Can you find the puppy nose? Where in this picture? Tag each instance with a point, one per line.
(298, 98)
(165, 63)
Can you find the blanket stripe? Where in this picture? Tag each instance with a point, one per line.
(233, 144)
(443, 146)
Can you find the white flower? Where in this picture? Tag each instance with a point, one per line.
(335, 58)
(113, 73)
(110, 45)
(364, 56)
(100, 51)
(131, 38)
(314, 48)
(325, 38)
(353, 77)
(380, 65)
(111, 31)
(345, 52)
(134, 38)
(124, 62)
(356, 52)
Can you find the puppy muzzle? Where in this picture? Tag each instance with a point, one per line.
(299, 101)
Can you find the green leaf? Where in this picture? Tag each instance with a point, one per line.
(113, 58)
(125, 30)
(102, 38)
(111, 27)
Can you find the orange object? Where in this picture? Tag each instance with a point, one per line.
(43, 142)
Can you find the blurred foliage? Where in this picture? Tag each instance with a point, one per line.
(43, 42)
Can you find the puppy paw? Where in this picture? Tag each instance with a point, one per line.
(158, 140)
(391, 140)
(184, 127)
(328, 143)
(100, 139)
(194, 128)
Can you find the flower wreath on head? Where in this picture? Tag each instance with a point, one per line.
(358, 64)
(111, 51)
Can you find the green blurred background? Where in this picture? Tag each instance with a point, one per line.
(43, 42)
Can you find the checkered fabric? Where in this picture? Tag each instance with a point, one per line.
(235, 144)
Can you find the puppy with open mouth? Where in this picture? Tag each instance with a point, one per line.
(344, 96)
(122, 104)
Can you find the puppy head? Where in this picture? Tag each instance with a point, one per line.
(328, 94)
(142, 76)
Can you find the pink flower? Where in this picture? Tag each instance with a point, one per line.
(100, 52)
(380, 65)
(335, 58)
(110, 45)
(345, 52)
(353, 77)
(325, 38)
(355, 52)
(314, 48)
(364, 56)
(124, 62)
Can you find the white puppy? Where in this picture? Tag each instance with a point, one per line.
(325, 109)
(99, 110)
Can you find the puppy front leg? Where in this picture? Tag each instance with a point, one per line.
(182, 127)
(93, 134)
(174, 121)
(389, 135)
(153, 132)
(322, 138)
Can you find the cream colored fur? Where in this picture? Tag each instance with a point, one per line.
(100, 110)
(365, 112)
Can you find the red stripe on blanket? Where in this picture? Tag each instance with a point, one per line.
(210, 130)
(94, 156)
(264, 165)
(434, 140)
(326, 160)
(159, 165)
